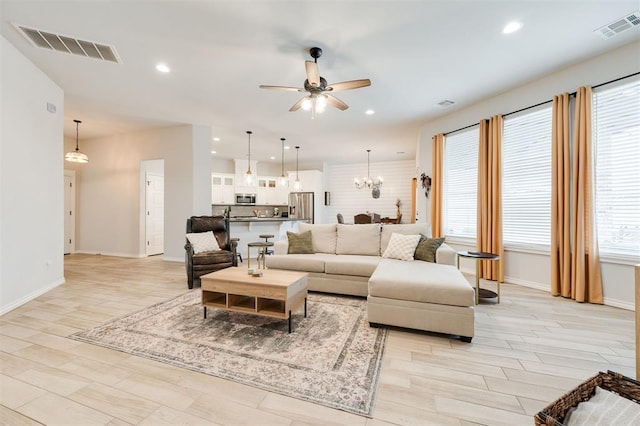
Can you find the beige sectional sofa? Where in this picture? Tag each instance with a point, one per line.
(348, 259)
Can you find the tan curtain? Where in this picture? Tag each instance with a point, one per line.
(586, 282)
(437, 161)
(489, 220)
(560, 198)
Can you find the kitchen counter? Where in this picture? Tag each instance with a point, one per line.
(265, 219)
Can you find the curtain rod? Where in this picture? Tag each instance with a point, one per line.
(546, 102)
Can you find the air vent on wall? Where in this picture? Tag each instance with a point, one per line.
(66, 44)
(445, 103)
(619, 25)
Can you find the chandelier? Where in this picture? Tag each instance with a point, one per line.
(76, 156)
(368, 182)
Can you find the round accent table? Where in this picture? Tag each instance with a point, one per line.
(481, 293)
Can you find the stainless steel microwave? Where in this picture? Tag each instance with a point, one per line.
(246, 199)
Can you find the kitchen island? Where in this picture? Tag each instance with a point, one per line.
(249, 229)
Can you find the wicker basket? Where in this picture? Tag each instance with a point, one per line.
(555, 413)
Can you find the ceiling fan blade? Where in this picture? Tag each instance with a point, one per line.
(289, 89)
(313, 76)
(297, 105)
(332, 100)
(348, 85)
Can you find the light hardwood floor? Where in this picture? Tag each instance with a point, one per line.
(527, 351)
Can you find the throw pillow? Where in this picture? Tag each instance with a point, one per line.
(300, 243)
(323, 236)
(427, 247)
(401, 247)
(406, 229)
(203, 241)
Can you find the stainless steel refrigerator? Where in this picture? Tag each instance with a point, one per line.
(301, 205)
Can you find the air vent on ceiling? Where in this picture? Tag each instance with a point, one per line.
(619, 25)
(66, 44)
(445, 103)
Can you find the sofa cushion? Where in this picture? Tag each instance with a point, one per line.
(300, 243)
(203, 241)
(402, 247)
(358, 239)
(323, 237)
(405, 229)
(427, 247)
(354, 265)
(421, 282)
(298, 262)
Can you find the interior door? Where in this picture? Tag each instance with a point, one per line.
(69, 212)
(154, 218)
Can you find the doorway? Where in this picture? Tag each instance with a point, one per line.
(154, 213)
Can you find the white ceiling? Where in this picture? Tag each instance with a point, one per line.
(416, 53)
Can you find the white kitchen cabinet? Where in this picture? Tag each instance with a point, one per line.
(222, 189)
(269, 193)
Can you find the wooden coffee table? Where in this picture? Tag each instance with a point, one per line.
(275, 294)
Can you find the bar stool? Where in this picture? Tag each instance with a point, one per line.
(261, 246)
(266, 240)
(238, 253)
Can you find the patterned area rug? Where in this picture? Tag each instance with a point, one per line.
(332, 357)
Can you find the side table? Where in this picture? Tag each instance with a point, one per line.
(481, 293)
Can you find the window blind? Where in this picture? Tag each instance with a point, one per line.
(526, 179)
(460, 186)
(616, 141)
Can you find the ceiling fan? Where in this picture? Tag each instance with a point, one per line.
(320, 93)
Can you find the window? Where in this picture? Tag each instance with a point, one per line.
(461, 183)
(616, 139)
(526, 179)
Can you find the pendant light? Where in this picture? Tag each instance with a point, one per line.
(248, 177)
(76, 156)
(297, 185)
(283, 178)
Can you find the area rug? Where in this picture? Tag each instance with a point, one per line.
(331, 358)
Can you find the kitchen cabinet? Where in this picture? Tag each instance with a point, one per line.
(222, 189)
(270, 193)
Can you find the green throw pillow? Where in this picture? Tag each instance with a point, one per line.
(300, 243)
(426, 249)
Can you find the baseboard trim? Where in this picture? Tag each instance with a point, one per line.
(619, 304)
(29, 297)
(107, 253)
(529, 284)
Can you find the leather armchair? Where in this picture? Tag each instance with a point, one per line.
(199, 264)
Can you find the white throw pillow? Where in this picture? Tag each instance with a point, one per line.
(405, 228)
(203, 241)
(401, 247)
(359, 239)
(323, 236)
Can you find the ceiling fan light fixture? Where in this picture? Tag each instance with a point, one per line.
(76, 156)
(307, 102)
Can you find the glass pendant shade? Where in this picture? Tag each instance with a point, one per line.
(76, 156)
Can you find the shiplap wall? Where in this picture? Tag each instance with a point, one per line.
(348, 200)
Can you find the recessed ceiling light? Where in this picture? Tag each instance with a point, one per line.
(512, 27)
(369, 112)
(216, 139)
(213, 152)
(272, 157)
(163, 68)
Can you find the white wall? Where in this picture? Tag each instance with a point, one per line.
(108, 199)
(532, 269)
(31, 181)
(348, 200)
